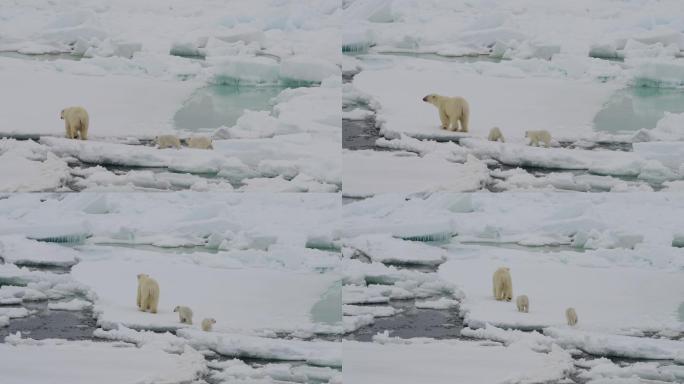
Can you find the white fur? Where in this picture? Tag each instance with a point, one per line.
(452, 111)
(76, 122)
(537, 136)
(200, 142)
(496, 135)
(184, 314)
(571, 316)
(148, 293)
(207, 324)
(168, 141)
(502, 284)
(523, 303)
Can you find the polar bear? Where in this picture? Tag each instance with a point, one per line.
(496, 135)
(184, 314)
(148, 293)
(451, 111)
(571, 316)
(200, 142)
(503, 286)
(207, 324)
(537, 136)
(168, 141)
(523, 303)
(76, 122)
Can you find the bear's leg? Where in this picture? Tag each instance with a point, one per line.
(137, 300)
(464, 121)
(453, 124)
(444, 119)
(144, 301)
(154, 301)
(83, 132)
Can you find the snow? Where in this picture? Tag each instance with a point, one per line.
(490, 99)
(367, 173)
(130, 106)
(388, 250)
(616, 345)
(125, 71)
(85, 362)
(23, 175)
(448, 362)
(116, 305)
(21, 251)
(321, 353)
(71, 305)
(621, 264)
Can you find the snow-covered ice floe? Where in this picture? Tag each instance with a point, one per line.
(61, 361)
(212, 252)
(394, 360)
(134, 75)
(283, 305)
(521, 66)
(622, 275)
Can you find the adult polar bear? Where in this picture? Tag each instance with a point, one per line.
(76, 122)
(452, 110)
(148, 293)
(502, 284)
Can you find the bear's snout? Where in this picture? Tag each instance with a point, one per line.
(425, 98)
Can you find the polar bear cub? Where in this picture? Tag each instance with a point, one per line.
(452, 110)
(502, 284)
(207, 324)
(523, 303)
(148, 293)
(571, 316)
(184, 314)
(537, 136)
(168, 141)
(200, 142)
(496, 135)
(76, 122)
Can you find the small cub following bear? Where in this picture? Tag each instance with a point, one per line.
(537, 136)
(452, 110)
(168, 141)
(200, 142)
(207, 324)
(76, 122)
(496, 135)
(502, 284)
(184, 314)
(148, 293)
(523, 303)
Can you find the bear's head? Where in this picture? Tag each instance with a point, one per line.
(527, 133)
(142, 276)
(431, 98)
(177, 308)
(61, 114)
(211, 320)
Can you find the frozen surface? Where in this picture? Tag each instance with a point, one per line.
(617, 345)
(388, 250)
(284, 304)
(22, 251)
(368, 172)
(322, 353)
(598, 76)
(513, 104)
(134, 68)
(621, 269)
(448, 362)
(85, 362)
